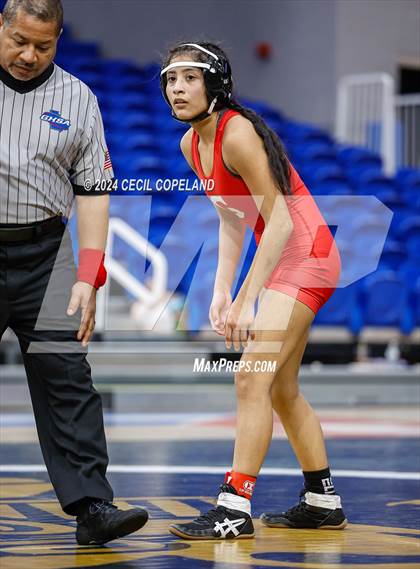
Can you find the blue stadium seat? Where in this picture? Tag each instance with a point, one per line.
(271, 115)
(369, 233)
(408, 177)
(137, 214)
(416, 303)
(157, 104)
(151, 80)
(83, 64)
(198, 302)
(178, 167)
(129, 102)
(118, 68)
(356, 161)
(78, 49)
(353, 156)
(201, 291)
(393, 255)
(133, 142)
(370, 182)
(332, 185)
(409, 233)
(142, 162)
(127, 84)
(320, 173)
(385, 301)
(66, 32)
(208, 222)
(177, 251)
(315, 152)
(100, 92)
(131, 121)
(156, 234)
(401, 213)
(92, 80)
(356, 173)
(118, 207)
(78, 64)
(302, 133)
(151, 70)
(275, 124)
(347, 208)
(388, 197)
(168, 125)
(410, 194)
(409, 272)
(315, 173)
(342, 309)
(163, 211)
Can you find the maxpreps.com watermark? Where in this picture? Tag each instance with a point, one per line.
(144, 185)
(201, 365)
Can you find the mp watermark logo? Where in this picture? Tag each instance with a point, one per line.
(151, 272)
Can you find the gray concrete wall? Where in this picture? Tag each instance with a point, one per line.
(376, 35)
(314, 41)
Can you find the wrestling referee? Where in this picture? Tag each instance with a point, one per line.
(52, 146)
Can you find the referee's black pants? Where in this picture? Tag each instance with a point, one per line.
(67, 408)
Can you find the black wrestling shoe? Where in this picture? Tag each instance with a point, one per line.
(218, 523)
(308, 514)
(103, 522)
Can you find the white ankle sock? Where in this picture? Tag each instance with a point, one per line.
(327, 501)
(234, 502)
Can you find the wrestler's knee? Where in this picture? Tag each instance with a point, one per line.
(252, 385)
(284, 392)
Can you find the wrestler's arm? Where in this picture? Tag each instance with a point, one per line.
(231, 234)
(243, 152)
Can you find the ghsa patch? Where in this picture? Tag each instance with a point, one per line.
(55, 120)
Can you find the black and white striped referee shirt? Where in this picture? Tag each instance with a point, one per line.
(52, 145)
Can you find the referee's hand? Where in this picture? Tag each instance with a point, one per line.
(83, 296)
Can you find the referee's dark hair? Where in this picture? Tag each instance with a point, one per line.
(44, 10)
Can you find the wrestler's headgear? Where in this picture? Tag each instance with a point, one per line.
(217, 79)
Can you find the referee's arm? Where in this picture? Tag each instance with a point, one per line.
(91, 169)
(92, 221)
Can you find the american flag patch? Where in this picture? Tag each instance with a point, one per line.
(108, 163)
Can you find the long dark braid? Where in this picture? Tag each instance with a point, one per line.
(276, 154)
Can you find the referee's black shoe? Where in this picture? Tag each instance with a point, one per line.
(103, 522)
(309, 513)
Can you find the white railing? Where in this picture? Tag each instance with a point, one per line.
(366, 114)
(157, 284)
(407, 108)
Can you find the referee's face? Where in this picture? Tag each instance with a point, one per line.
(27, 45)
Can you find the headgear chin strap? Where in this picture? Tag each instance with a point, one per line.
(217, 80)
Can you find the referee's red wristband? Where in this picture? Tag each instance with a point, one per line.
(91, 268)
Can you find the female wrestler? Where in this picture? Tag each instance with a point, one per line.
(293, 273)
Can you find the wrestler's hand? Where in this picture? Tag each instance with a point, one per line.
(219, 309)
(239, 324)
(83, 296)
